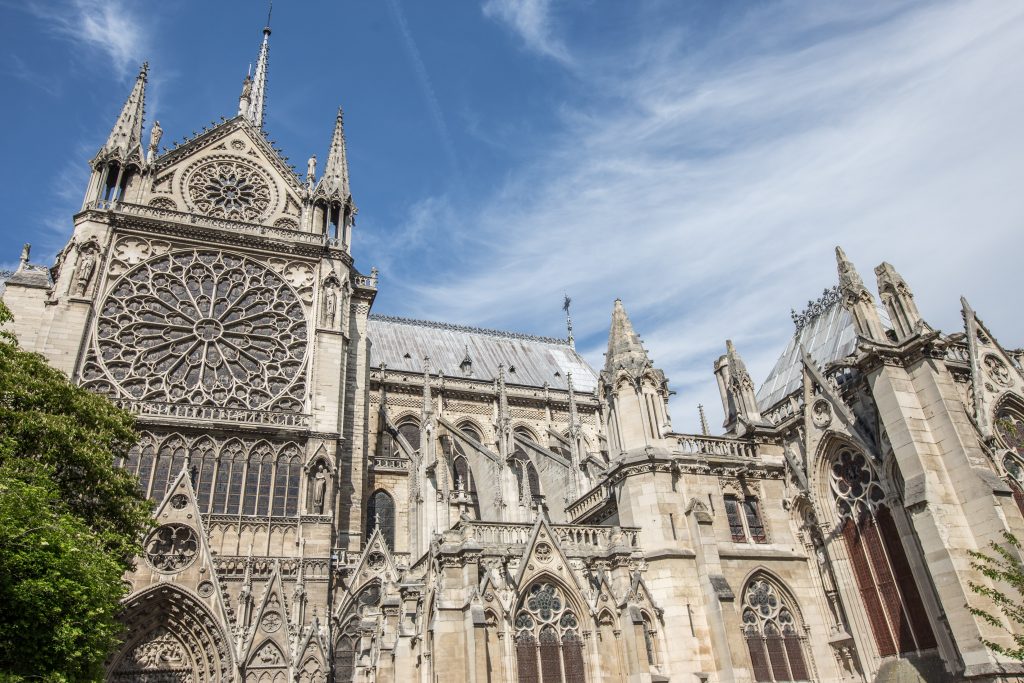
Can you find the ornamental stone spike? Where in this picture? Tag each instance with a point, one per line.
(334, 184)
(624, 347)
(252, 103)
(125, 140)
(858, 300)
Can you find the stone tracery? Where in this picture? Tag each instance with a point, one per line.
(206, 327)
(229, 188)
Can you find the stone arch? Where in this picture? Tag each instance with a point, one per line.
(548, 628)
(864, 513)
(773, 628)
(468, 422)
(523, 430)
(170, 631)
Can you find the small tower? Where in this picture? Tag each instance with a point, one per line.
(635, 392)
(333, 209)
(858, 300)
(737, 389)
(121, 158)
(898, 301)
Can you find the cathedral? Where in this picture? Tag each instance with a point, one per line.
(346, 496)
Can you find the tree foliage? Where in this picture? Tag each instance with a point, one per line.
(70, 522)
(1004, 568)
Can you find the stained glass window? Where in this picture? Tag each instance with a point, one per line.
(775, 644)
(381, 512)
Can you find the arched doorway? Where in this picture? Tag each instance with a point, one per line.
(170, 635)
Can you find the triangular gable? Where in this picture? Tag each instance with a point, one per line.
(822, 407)
(312, 648)
(271, 622)
(376, 564)
(543, 555)
(186, 179)
(993, 372)
(179, 507)
(221, 132)
(639, 597)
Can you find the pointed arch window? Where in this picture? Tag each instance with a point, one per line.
(548, 644)
(774, 641)
(345, 653)
(410, 431)
(1010, 427)
(380, 512)
(527, 478)
(886, 583)
(203, 455)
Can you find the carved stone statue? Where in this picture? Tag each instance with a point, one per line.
(155, 133)
(311, 170)
(320, 488)
(330, 304)
(84, 270)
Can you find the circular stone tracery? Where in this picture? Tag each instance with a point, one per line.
(171, 547)
(229, 188)
(204, 327)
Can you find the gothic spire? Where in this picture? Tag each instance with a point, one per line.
(254, 91)
(125, 140)
(857, 299)
(334, 182)
(624, 347)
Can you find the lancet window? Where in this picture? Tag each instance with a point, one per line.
(380, 513)
(410, 431)
(774, 640)
(548, 642)
(527, 478)
(234, 477)
(886, 583)
(345, 652)
(1010, 426)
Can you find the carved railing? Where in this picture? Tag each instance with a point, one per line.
(784, 410)
(589, 501)
(958, 353)
(389, 463)
(571, 537)
(348, 560)
(213, 413)
(225, 224)
(691, 444)
(368, 281)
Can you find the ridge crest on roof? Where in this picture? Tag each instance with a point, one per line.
(467, 328)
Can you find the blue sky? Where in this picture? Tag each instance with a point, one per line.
(700, 160)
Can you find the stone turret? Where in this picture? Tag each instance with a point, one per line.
(635, 392)
(737, 390)
(898, 301)
(858, 300)
(334, 211)
(121, 157)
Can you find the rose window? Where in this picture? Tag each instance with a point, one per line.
(229, 189)
(171, 547)
(206, 328)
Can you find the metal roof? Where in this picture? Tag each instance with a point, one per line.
(401, 344)
(827, 337)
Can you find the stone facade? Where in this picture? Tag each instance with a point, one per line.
(350, 497)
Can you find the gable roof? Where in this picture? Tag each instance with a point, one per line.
(828, 336)
(536, 359)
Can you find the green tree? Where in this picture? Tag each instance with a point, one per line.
(1004, 568)
(70, 522)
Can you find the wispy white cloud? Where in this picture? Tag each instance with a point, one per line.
(531, 21)
(423, 79)
(710, 197)
(113, 28)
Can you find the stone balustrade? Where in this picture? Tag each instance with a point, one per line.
(213, 413)
(691, 444)
(225, 224)
(571, 537)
